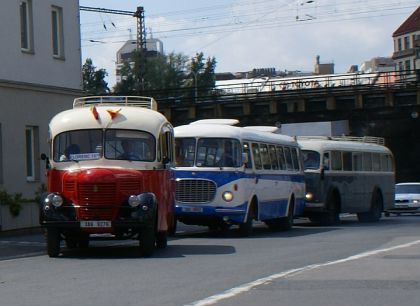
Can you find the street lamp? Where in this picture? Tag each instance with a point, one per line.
(195, 85)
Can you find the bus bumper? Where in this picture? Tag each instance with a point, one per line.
(207, 215)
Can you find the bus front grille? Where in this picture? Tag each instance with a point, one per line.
(97, 193)
(195, 191)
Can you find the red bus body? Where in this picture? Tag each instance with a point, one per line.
(95, 187)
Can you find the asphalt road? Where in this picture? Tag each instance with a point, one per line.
(349, 264)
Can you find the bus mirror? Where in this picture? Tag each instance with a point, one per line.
(47, 160)
(245, 158)
(165, 161)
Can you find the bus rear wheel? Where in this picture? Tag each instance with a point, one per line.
(375, 211)
(284, 223)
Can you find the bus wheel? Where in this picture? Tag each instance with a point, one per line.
(332, 216)
(161, 240)
(53, 242)
(147, 241)
(287, 222)
(83, 241)
(245, 228)
(172, 227)
(375, 212)
(282, 224)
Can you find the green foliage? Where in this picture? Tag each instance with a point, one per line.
(94, 79)
(15, 201)
(172, 75)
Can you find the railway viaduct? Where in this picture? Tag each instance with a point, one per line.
(389, 110)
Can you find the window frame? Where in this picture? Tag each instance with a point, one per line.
(26, 26)
(31, 151)
(57, 33)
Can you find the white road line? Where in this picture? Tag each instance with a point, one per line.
(248, 286)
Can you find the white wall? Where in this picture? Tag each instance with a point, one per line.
(40, 67)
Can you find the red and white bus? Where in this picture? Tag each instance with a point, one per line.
(108, 172)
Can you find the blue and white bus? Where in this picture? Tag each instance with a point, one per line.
(228, 175)
(347, 175)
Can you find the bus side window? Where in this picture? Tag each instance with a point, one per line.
(367, 161)
(280, 157)
(376, 162)
(273, 157)
(336, 161)
(257, 157)
(347, 161)
(357, 161)
(295, 159)
(265, 157)
(288, 156)
(326, 161)
(247, 151)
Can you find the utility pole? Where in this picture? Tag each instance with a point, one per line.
(141, 34)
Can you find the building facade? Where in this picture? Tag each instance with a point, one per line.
(153, 47)
(40, 76)
(407, 46)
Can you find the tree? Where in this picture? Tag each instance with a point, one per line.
(94, 79)
(167, 75)
(201, 74)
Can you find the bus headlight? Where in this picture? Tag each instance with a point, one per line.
(133, 201)
(309, 196)
(56, 200)
(227, 196)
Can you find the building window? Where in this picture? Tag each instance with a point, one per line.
(1, 158)
(399, 44)
(31, 142)
(57, 32)
(400, 66)
(406, 42)
(407, 66)
(26, 26)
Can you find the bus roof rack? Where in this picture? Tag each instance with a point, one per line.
(264, 128)
(216, 121)
(366, 139)
(137, 101)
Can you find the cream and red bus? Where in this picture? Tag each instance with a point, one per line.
(108, 173)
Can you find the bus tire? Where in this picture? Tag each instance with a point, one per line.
(284, 223)
(162, 239)
(172, 227)
(245, 228)
(53, 242)
(287, 222)
(83, 241)
(147, 239)
(332, 215)
(375, 211)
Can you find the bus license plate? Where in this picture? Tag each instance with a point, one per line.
(90, 224)
(192, 209)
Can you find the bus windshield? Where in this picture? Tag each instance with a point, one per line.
(208, 152)
(111, 144)
(311, 159)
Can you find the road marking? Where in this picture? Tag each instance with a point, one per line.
(248, 286)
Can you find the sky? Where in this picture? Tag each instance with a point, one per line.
(247, 34)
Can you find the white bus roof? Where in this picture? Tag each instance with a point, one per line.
(228, 131)
(125, 117)
(343, 145)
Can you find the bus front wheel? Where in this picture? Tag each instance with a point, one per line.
(147, 241)
(245, 228)
(53, 242)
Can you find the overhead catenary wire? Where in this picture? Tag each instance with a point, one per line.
(240, 19)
